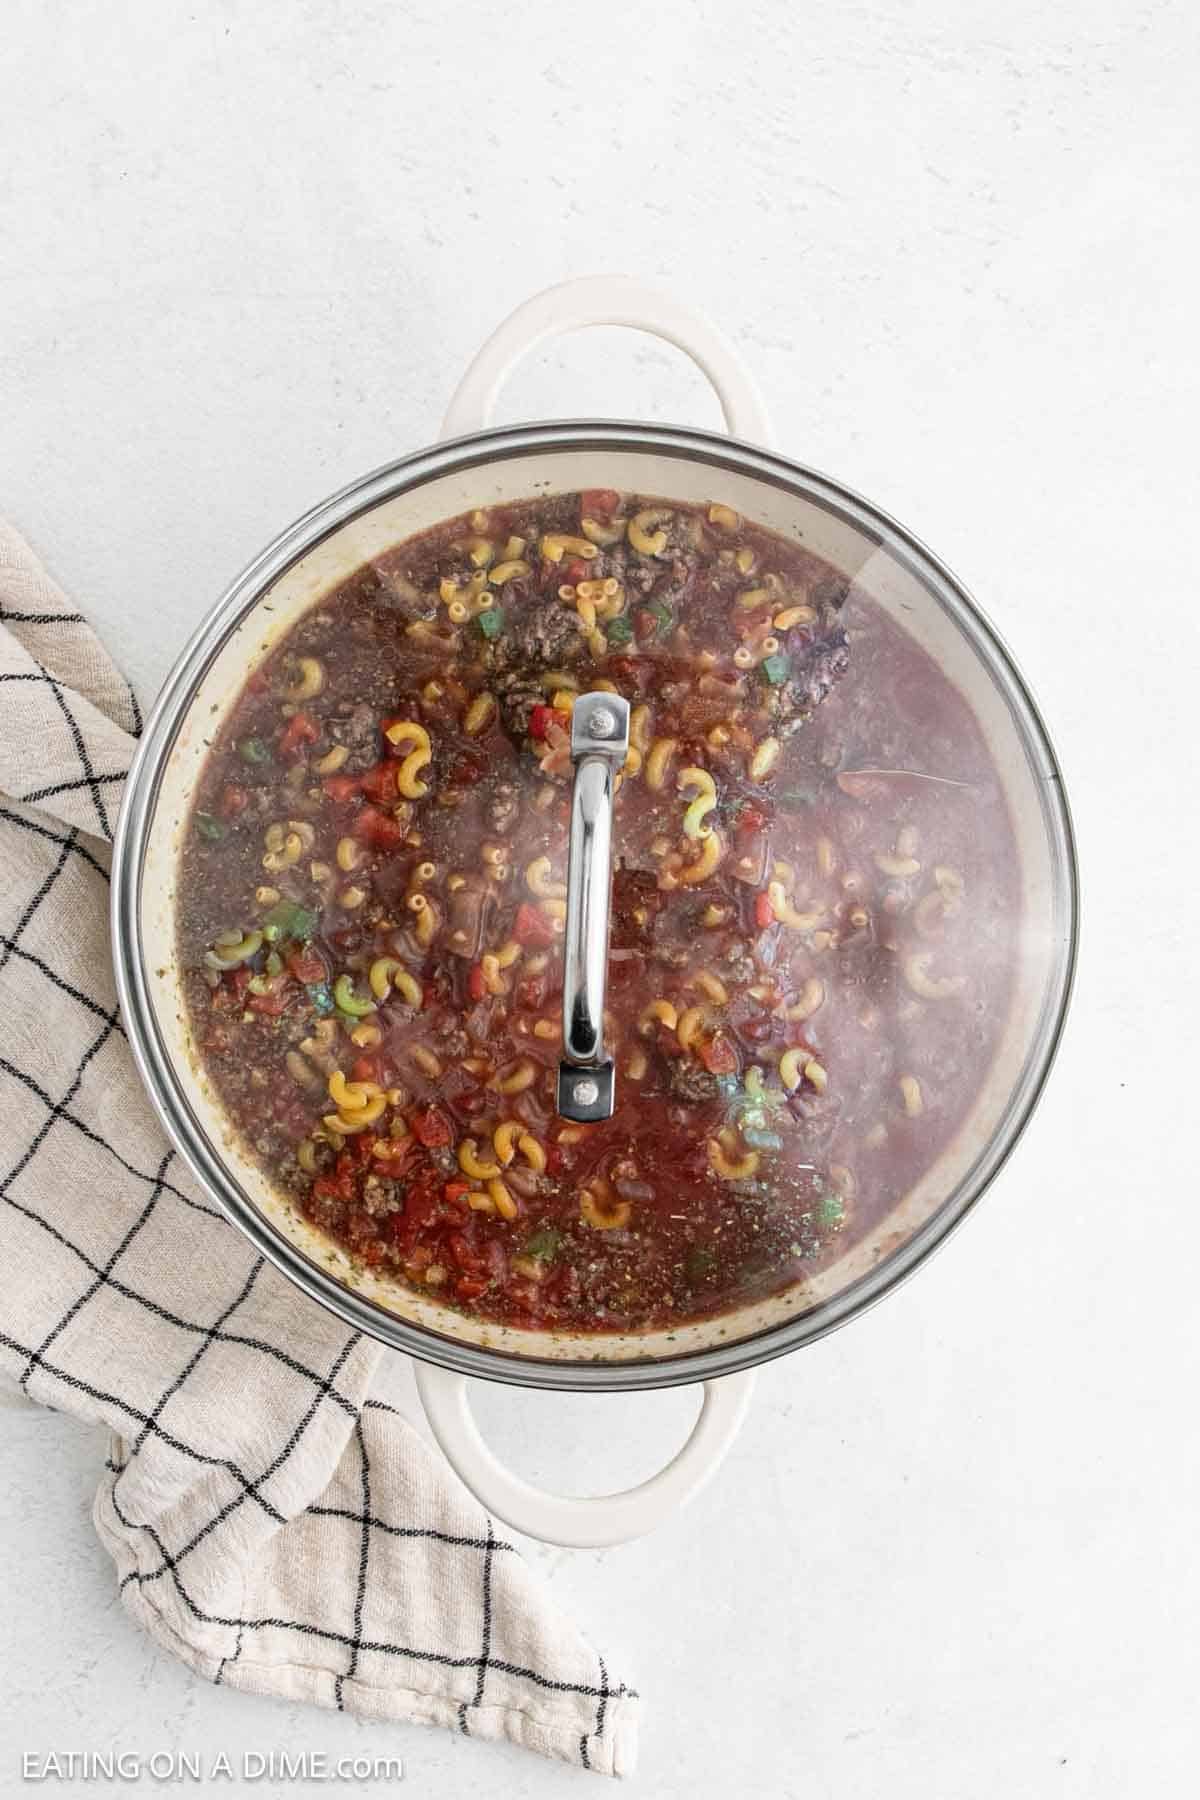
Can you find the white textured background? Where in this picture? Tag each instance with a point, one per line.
(245, 251)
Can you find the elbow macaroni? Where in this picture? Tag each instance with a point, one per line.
(660, 754)
(701, 783)
(539, 881)
(710, 855)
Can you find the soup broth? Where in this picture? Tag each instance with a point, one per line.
(815, 902)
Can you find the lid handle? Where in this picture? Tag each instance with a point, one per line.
(599, 746)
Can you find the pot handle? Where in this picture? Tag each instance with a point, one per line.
(607, 300)
(604, 1519)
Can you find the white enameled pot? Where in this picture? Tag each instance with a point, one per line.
(474, 466)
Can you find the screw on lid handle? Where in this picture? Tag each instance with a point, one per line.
(599, 746)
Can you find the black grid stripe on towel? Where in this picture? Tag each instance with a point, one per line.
(271, 1523)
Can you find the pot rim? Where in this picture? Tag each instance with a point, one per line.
(168, 1094)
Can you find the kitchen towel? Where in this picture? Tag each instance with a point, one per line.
(271, 1523)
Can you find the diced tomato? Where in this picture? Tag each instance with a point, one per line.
(752, 817)
(764, 912)
(234, 800)
(373, 1253)
(539, 719)
(627, 669)
(476, 986)
(299, 730)
(334, 1187)
(466, 769)
(531, 928)
(379, 784)
(423, 1206)
(393, 1154)
(464, 1253)
(364, 1068)
(431, 1127)
(598, 503)
(495, 1259)
(575, 570)
(454, 1191)
(341, 788)
(404, 1234)
(272, 1004)
(564, 1286)
(469, 1287)
(306, 965)
(229, 997)
(719, 1056)
(525, 1299)
(348, 939)
(554, 1159)
(357, 1151)
(377, 829)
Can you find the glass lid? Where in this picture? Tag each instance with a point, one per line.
(617, 916)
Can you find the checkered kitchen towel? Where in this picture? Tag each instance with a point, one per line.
(270, 1523)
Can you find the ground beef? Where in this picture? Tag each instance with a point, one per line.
(517, 701)
(262, 804)
(381, 1196)
(739, 963)
(452, 1039)
(634, 892)
(689, 1082)
(819, 655)
(504, 803)
(637, 574)
(359, 731)
(640, 575)
(671, 956)
(541, 634)
(674, 585)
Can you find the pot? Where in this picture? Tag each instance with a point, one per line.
(471, 467)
